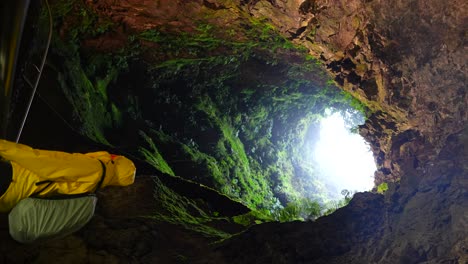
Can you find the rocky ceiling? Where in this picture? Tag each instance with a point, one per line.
(405, 60)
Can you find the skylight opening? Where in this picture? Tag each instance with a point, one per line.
(344, 159)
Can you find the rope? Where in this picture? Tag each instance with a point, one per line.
(41, 67)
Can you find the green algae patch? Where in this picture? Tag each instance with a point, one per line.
(383, 187)
(153, 157)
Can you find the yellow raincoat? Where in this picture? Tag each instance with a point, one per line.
(47, 173)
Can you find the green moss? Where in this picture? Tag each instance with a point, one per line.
(234, 162)
(356, 104)
(116, 115)
(102, 83)
(383, 187)
(153, 157)
(266, 34)
(211, 49)
(89, 105)
(211, 164)
(179, 210)
(86, 91)
(242, 97)
(254, 217)
(83, 22)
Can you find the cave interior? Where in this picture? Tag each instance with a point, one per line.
(220, 104)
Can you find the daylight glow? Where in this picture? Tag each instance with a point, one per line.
(344, 159)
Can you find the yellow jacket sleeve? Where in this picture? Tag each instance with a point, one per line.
(52, 165)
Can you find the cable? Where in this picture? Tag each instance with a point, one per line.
(41, 67)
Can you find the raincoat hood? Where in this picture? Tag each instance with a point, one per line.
(120, 171)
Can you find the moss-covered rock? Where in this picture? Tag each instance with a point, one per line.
(223, 105)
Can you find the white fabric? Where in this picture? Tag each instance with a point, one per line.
(35, 219)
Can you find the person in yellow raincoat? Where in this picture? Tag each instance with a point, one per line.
(45, 173)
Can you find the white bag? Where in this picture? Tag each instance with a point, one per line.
(35, 219)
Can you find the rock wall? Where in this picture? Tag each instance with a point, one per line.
(422, 219)
(404, 60)
(407, 60)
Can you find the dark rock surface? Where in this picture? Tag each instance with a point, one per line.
(124, 231)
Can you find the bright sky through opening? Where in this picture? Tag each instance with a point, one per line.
(345, 160)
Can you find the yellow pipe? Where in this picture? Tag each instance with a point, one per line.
(13, 15)
(11, 62)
